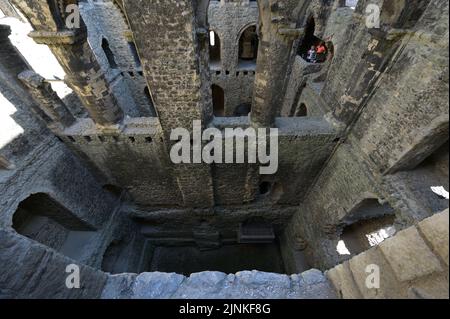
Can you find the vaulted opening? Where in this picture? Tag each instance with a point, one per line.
(367, 225)
(248, 48)
(301, 110)
(312, 49)
(42, 219)
(214, 50)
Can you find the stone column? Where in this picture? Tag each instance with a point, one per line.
(173, 51)
(48, 100)
(73, 52)
(277, 36)
(173, 58)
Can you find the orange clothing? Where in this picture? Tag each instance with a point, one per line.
(321, 49)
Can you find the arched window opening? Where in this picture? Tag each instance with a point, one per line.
(248, 48)
(42, 219)
(109, 54)
(363, 235)
(243, 109)
(214, 50)
(301, 110)
(312, 49)
(366, 226)
(218, 97)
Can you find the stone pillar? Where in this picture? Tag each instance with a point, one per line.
(277, 36)
(73, 52)
(48, 100)
(175, 63)
(174, 60)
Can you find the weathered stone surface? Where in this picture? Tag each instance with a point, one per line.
(409, 256)
(372, 263)
(104, 192)
(216, 285)
(156, 285)
(435, 231)
(342, 279)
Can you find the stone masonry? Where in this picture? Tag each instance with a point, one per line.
(86, 177)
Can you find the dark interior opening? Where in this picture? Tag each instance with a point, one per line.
(366, 225)
(229, 259)
(309, 42)
(362, 235)
(301, 110)
(248, 48)
(109, 54)
(42, 219)
(218, 97)
(214, 49)
(243, 109)
(265, 188)
(113, 189)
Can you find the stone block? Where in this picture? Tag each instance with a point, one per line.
(409, 256)
(430, 287)
(365, 267)
(435, 230)
(342, 280)
(156, 285)
(119, 286)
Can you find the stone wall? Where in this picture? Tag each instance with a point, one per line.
(229, 19)
(389, 125)
(105, 21)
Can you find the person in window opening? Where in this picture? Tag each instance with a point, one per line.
(311, 55)
(321, 51)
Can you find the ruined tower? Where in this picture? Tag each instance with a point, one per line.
(92, 91)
